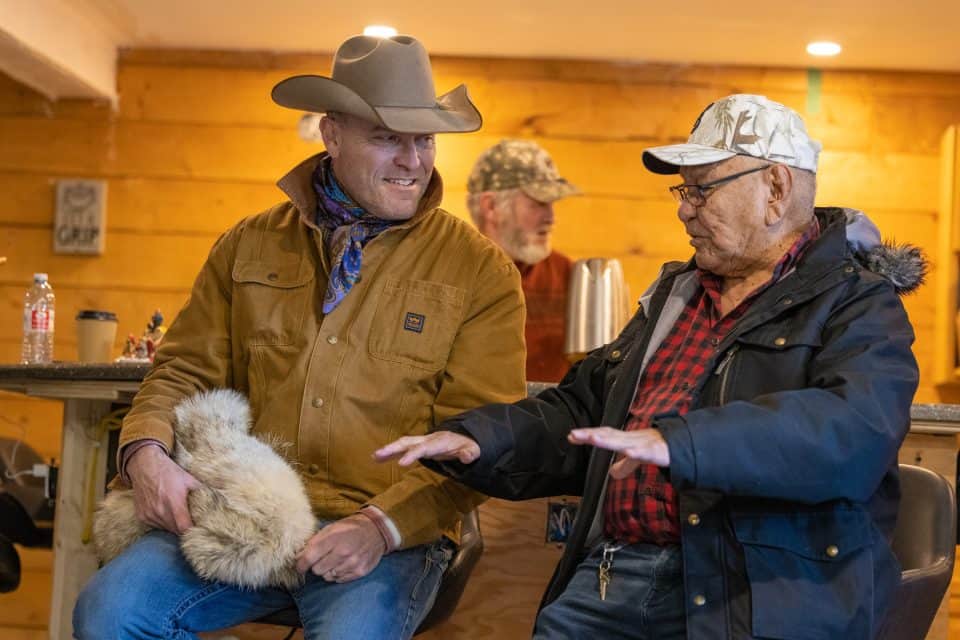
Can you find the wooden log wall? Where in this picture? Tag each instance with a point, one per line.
(196, 144)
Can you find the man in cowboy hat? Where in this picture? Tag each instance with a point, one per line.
(511, 191)
(736, 446)
(352, 313)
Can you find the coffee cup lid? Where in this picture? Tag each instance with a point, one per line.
(93, 314)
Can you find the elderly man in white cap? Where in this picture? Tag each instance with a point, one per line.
(511, 192)
(736, 446)
(352, 313)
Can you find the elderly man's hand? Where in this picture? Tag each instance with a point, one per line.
(343, 551)
(442, 445)
(160, 489)
(643, 446)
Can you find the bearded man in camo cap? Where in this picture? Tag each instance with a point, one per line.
(511, 192)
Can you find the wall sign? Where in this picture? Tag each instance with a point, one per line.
(80, 223)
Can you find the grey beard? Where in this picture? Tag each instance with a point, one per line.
(528, 253)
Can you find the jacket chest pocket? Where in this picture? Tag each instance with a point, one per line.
(415, 323)
(270, 300)
(772, 358)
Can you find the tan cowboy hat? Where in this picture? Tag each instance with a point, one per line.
(383, 80)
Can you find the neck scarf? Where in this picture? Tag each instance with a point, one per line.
(350, 227)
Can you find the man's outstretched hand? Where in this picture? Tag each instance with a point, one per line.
(643, 446)
(442, 445)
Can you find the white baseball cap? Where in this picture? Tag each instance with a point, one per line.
(740, 124)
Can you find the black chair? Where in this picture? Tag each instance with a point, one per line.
(26, 514)
(925, 543)
(452, 584)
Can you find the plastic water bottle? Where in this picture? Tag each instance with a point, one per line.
(38, 322)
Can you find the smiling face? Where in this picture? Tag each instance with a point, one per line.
(730, 231)
(385, 172)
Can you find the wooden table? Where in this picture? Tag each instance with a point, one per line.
(89, 390)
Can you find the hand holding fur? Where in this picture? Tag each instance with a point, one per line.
(160, 489)
(250, 511)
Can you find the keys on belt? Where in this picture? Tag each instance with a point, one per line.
(605, 574)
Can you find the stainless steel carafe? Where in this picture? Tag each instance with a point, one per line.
(598, 305)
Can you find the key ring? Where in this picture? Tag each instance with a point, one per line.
(610, 548)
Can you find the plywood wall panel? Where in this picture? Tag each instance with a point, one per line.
(130, 263)
(142, 206)
(656, 110)
(262, 155)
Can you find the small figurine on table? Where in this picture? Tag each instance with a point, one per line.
(144, 348)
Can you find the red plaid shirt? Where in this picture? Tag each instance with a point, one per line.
(643, 507)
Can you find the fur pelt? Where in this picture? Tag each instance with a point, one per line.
(251, 516)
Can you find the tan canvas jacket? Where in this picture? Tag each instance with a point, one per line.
(434, 327)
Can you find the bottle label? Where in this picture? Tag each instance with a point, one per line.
(41, 320)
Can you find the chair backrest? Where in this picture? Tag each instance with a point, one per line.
(924, 542)
(452, 584)
(926, 530)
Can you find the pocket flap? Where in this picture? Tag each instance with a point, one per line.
(783, 335)
(283, 275)
(425, 289)
(826, 536)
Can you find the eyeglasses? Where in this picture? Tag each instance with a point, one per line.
(696, 194)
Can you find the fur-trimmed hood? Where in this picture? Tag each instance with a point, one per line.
(904, 265)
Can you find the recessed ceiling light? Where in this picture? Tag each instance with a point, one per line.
(379, 31)
(824, 48)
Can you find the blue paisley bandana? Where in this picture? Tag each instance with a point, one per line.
(350, 227)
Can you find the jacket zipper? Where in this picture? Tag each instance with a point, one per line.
(723, 370)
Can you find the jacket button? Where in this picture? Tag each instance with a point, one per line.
(317, 403)
(693, 519)
(272, 277)
(699, 600)
(615, 354)
(332, 339)
(788, 301)
(833, 551)
(313, 469)
(780, 342)
(848, 269)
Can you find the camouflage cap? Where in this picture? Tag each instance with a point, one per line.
(740, 124)
(519, 164)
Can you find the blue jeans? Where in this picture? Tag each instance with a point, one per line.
(150, 591)
(645, 598)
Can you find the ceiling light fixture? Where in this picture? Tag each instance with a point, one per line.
(824, 48)
(379, 31)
